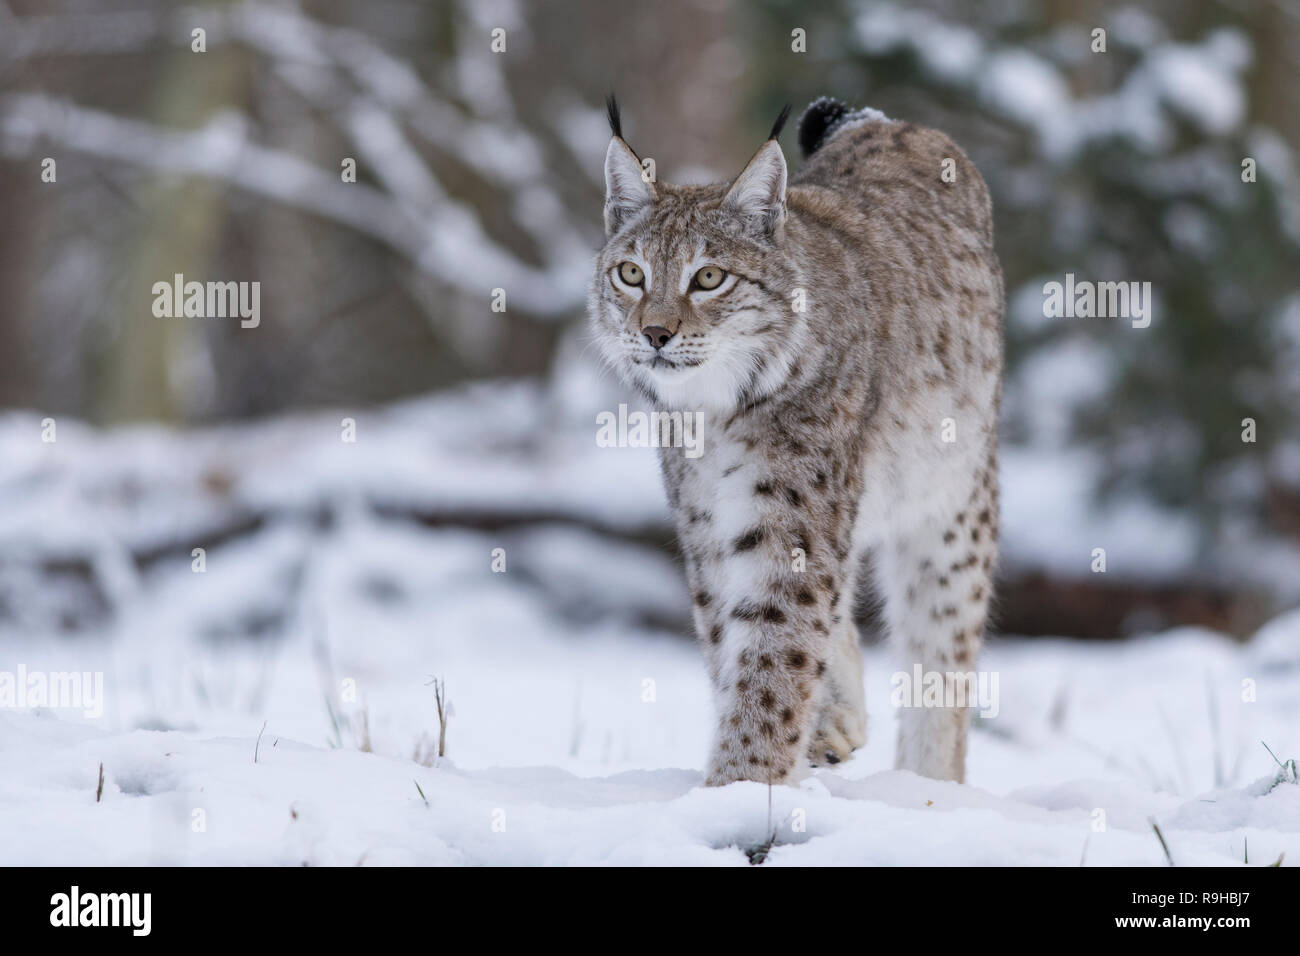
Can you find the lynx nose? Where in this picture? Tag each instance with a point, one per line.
(657, 335)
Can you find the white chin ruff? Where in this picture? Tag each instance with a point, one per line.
(718, 385)
(705, 386)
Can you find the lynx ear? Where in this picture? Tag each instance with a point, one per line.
(625, 189)
(758, 194)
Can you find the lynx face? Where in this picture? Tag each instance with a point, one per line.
(691, 299)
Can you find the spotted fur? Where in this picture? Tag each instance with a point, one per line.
(825, 426)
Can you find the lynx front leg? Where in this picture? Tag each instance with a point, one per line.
(771, 658)
(936, 585)
(766, 563)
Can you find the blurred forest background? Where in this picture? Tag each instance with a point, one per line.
(479, 170)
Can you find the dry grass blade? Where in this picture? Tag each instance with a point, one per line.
(1161, 837)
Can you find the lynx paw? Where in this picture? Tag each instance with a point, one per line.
(841, 729)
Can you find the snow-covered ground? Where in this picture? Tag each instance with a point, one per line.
(584, 747)
(579, 714)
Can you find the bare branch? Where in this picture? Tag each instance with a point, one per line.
(447, 242)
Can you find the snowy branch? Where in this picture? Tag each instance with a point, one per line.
(371, 95)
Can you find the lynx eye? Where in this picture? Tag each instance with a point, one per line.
(710, 277)
(630, 273)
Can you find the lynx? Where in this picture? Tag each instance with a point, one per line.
(841, 333)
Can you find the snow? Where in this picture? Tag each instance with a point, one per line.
(947, 50)
(1052, 384)
(1050, 521)
(1027, 88)
(1200, 82)
(579, 713)
(557, 758)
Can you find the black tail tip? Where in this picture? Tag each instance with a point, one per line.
(615, 121)
(780, 122)
(817, 120)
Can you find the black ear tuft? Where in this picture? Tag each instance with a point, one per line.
(817, 121)
(780, 122)
(615, 121)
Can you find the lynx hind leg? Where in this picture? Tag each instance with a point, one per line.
(936, 583)
(841, 725)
